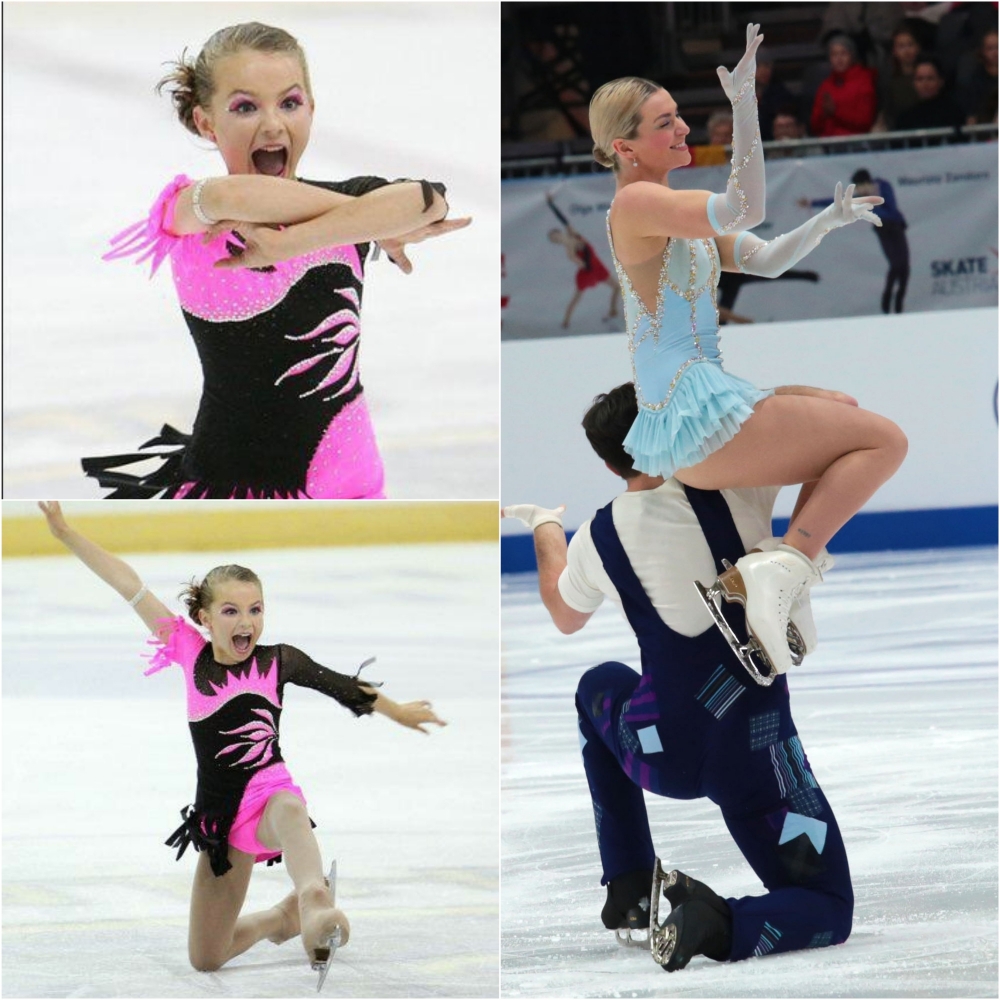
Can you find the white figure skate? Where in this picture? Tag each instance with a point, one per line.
(325, 952)
(801, 625)
(766, 584)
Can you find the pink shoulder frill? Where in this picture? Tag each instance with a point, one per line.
(151, 238)
(182, 646)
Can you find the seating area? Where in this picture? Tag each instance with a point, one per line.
(554, 55)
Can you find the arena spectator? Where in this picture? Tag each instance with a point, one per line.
(720, 135)
(787, 126)
(960, 31)
(772, 94)
(720, 128)
(896, 93)
(935, 108)
(868, 25)
(977, 92)
(845, 101)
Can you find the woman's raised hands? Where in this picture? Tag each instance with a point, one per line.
(742, 79)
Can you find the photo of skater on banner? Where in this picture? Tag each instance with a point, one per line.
(936, 247)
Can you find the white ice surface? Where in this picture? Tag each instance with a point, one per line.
(96, 357)
(97, 761)
(897, 711)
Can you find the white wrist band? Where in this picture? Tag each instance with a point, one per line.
(143, 591)
(199, 212)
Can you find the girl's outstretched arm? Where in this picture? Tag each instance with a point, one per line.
(391, 211)
(115, 572)
(386, 211)
(412, 714)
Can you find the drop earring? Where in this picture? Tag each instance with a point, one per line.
(635, 163)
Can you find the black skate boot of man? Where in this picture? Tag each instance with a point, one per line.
(627, 907)
(699, 922)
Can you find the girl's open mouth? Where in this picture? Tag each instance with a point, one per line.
(270, 160)
(242, 643)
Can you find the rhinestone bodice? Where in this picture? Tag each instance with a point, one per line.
(683, 330)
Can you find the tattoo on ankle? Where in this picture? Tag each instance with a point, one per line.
(802, 531)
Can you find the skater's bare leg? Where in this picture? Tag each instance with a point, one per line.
(215, 934)
(285, 827)
(569, 309)
(804, 494)
(846, 453)
(287, 927)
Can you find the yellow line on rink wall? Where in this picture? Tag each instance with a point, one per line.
(306, 524)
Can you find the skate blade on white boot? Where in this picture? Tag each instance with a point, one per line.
(749, 653)
(662, 937)
(324, 953)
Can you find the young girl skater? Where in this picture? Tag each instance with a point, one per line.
(247, 808)
(697, 422)
(269, 272)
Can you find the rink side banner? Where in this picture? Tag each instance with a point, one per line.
(939, 252)
(934, 374)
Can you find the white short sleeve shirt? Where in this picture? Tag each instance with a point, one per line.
(667, 548)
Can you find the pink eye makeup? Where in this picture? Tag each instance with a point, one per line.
(242, 105)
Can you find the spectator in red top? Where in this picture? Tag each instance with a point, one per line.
(845, 102)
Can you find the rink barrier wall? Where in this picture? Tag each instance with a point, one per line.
(345, 523)
(868, 532)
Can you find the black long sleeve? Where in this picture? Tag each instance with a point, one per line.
(297, 668)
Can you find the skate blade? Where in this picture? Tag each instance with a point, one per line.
(324, 958)
(744, 652)
(662, 937)
(662, 943)
(796, 645)
(324, 954)
(629, 937)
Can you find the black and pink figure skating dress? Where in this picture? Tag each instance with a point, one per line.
(234, 713)
(282, 411)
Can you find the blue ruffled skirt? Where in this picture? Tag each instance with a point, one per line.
(707, 408)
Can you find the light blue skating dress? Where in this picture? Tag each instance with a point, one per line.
(688, 405)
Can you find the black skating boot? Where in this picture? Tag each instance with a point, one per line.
(699, 923)
(627, 905)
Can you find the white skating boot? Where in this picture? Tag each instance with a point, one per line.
(801, 616)
(767, 584)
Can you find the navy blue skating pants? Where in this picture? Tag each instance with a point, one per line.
(751, 767)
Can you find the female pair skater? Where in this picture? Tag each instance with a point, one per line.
(697, 422)
(269, 271)
(247, 808)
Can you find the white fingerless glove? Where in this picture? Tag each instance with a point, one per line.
(769, 258)
(742, 206)
(533, 515)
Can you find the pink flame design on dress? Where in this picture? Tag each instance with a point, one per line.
(340, 316)
(303, 366)
(338, 371)
(258, 740)
(344, 337)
